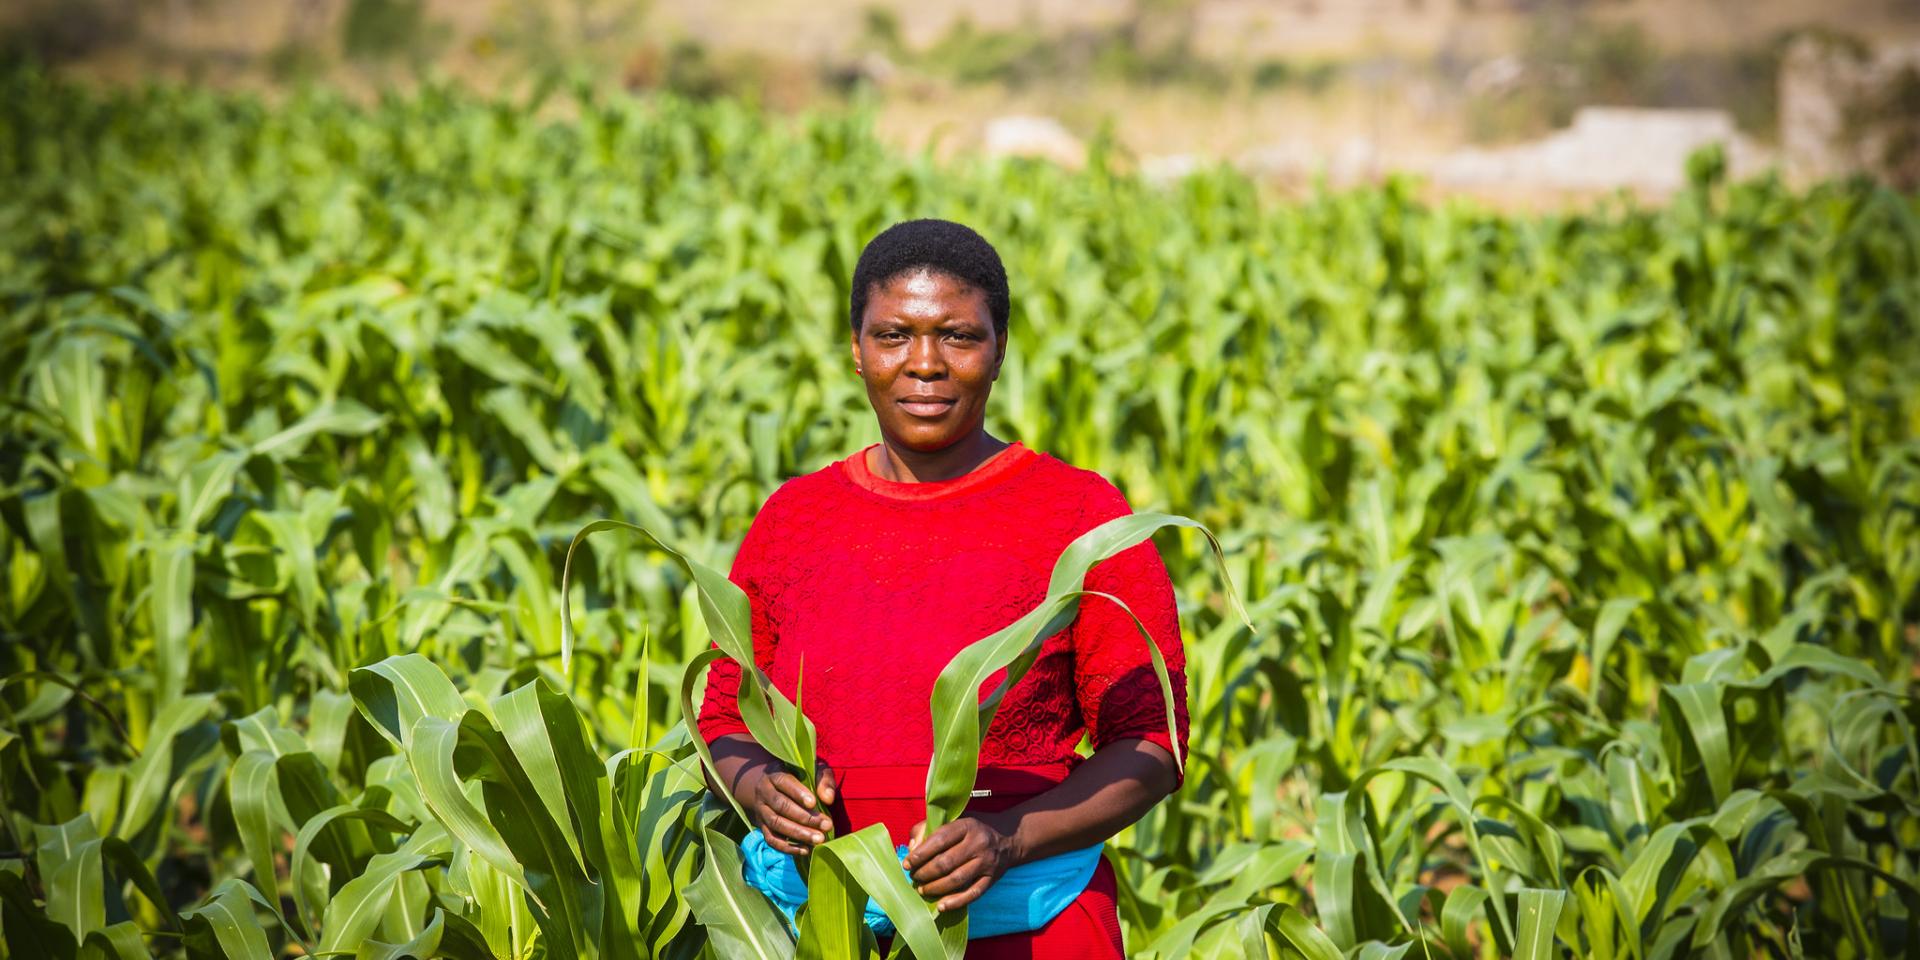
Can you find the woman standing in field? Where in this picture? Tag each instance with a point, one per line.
(876, 570)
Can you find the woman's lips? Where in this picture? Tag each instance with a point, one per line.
(926, 406)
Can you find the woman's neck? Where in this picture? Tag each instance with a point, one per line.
(890, 461)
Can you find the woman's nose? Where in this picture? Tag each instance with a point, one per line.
(924, 360)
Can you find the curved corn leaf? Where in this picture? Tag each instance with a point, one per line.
(121, 856)
(425, 944)
(68, 858)
(1695, 714)
(396, 692)
(170, 600)
(355, 912)
(1539, 914)
(149, 776)
(430, 754)
(1249, 875)
(694, 670)
(74, 891)
(1786, 866)
(870, 858)
(542, 727)
(1607, 625)
(342, 417)
(308, 877)
(1285, 925)
(831, 923)
(29, 931)
(1655, 871)
(740, 921)
(1456, 917)
(308, 795)
(460, 939)
(226, 922)
(250, 782)
(960, 716)
(1347, 889)
(118, 941)
(776, 724)
(620, 873)
(566, 903)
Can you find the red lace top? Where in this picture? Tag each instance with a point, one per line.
(876, 584)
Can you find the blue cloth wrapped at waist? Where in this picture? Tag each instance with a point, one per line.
(1025, 898)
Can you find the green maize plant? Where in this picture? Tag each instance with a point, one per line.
(1579, 550)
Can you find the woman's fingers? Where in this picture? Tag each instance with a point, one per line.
(812, 823)
(930, 847)
(954, 879)
(783, 845)
(775, 830)
(791, 786)
(944, 865)
(964, 897)
(958, 861)
(788, 805)
(792, 830)
(806, 807)
(826, 785)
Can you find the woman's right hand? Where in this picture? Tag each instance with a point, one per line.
(793, 818)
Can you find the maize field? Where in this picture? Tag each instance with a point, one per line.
(1580, 549)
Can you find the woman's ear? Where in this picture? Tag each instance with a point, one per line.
(999, 352)
(853, 344)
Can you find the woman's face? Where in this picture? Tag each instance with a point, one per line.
(929, 355)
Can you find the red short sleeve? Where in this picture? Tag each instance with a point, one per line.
(1119, 695)
(720, 709)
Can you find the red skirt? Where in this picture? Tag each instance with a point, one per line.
(896, 796)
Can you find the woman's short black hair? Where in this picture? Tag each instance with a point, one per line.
(938, 245)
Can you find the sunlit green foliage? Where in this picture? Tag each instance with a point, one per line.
(1581, 549)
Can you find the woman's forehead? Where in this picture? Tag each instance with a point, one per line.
(925, 282)
(929, 295)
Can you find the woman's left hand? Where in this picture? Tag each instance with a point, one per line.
(962, 859)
